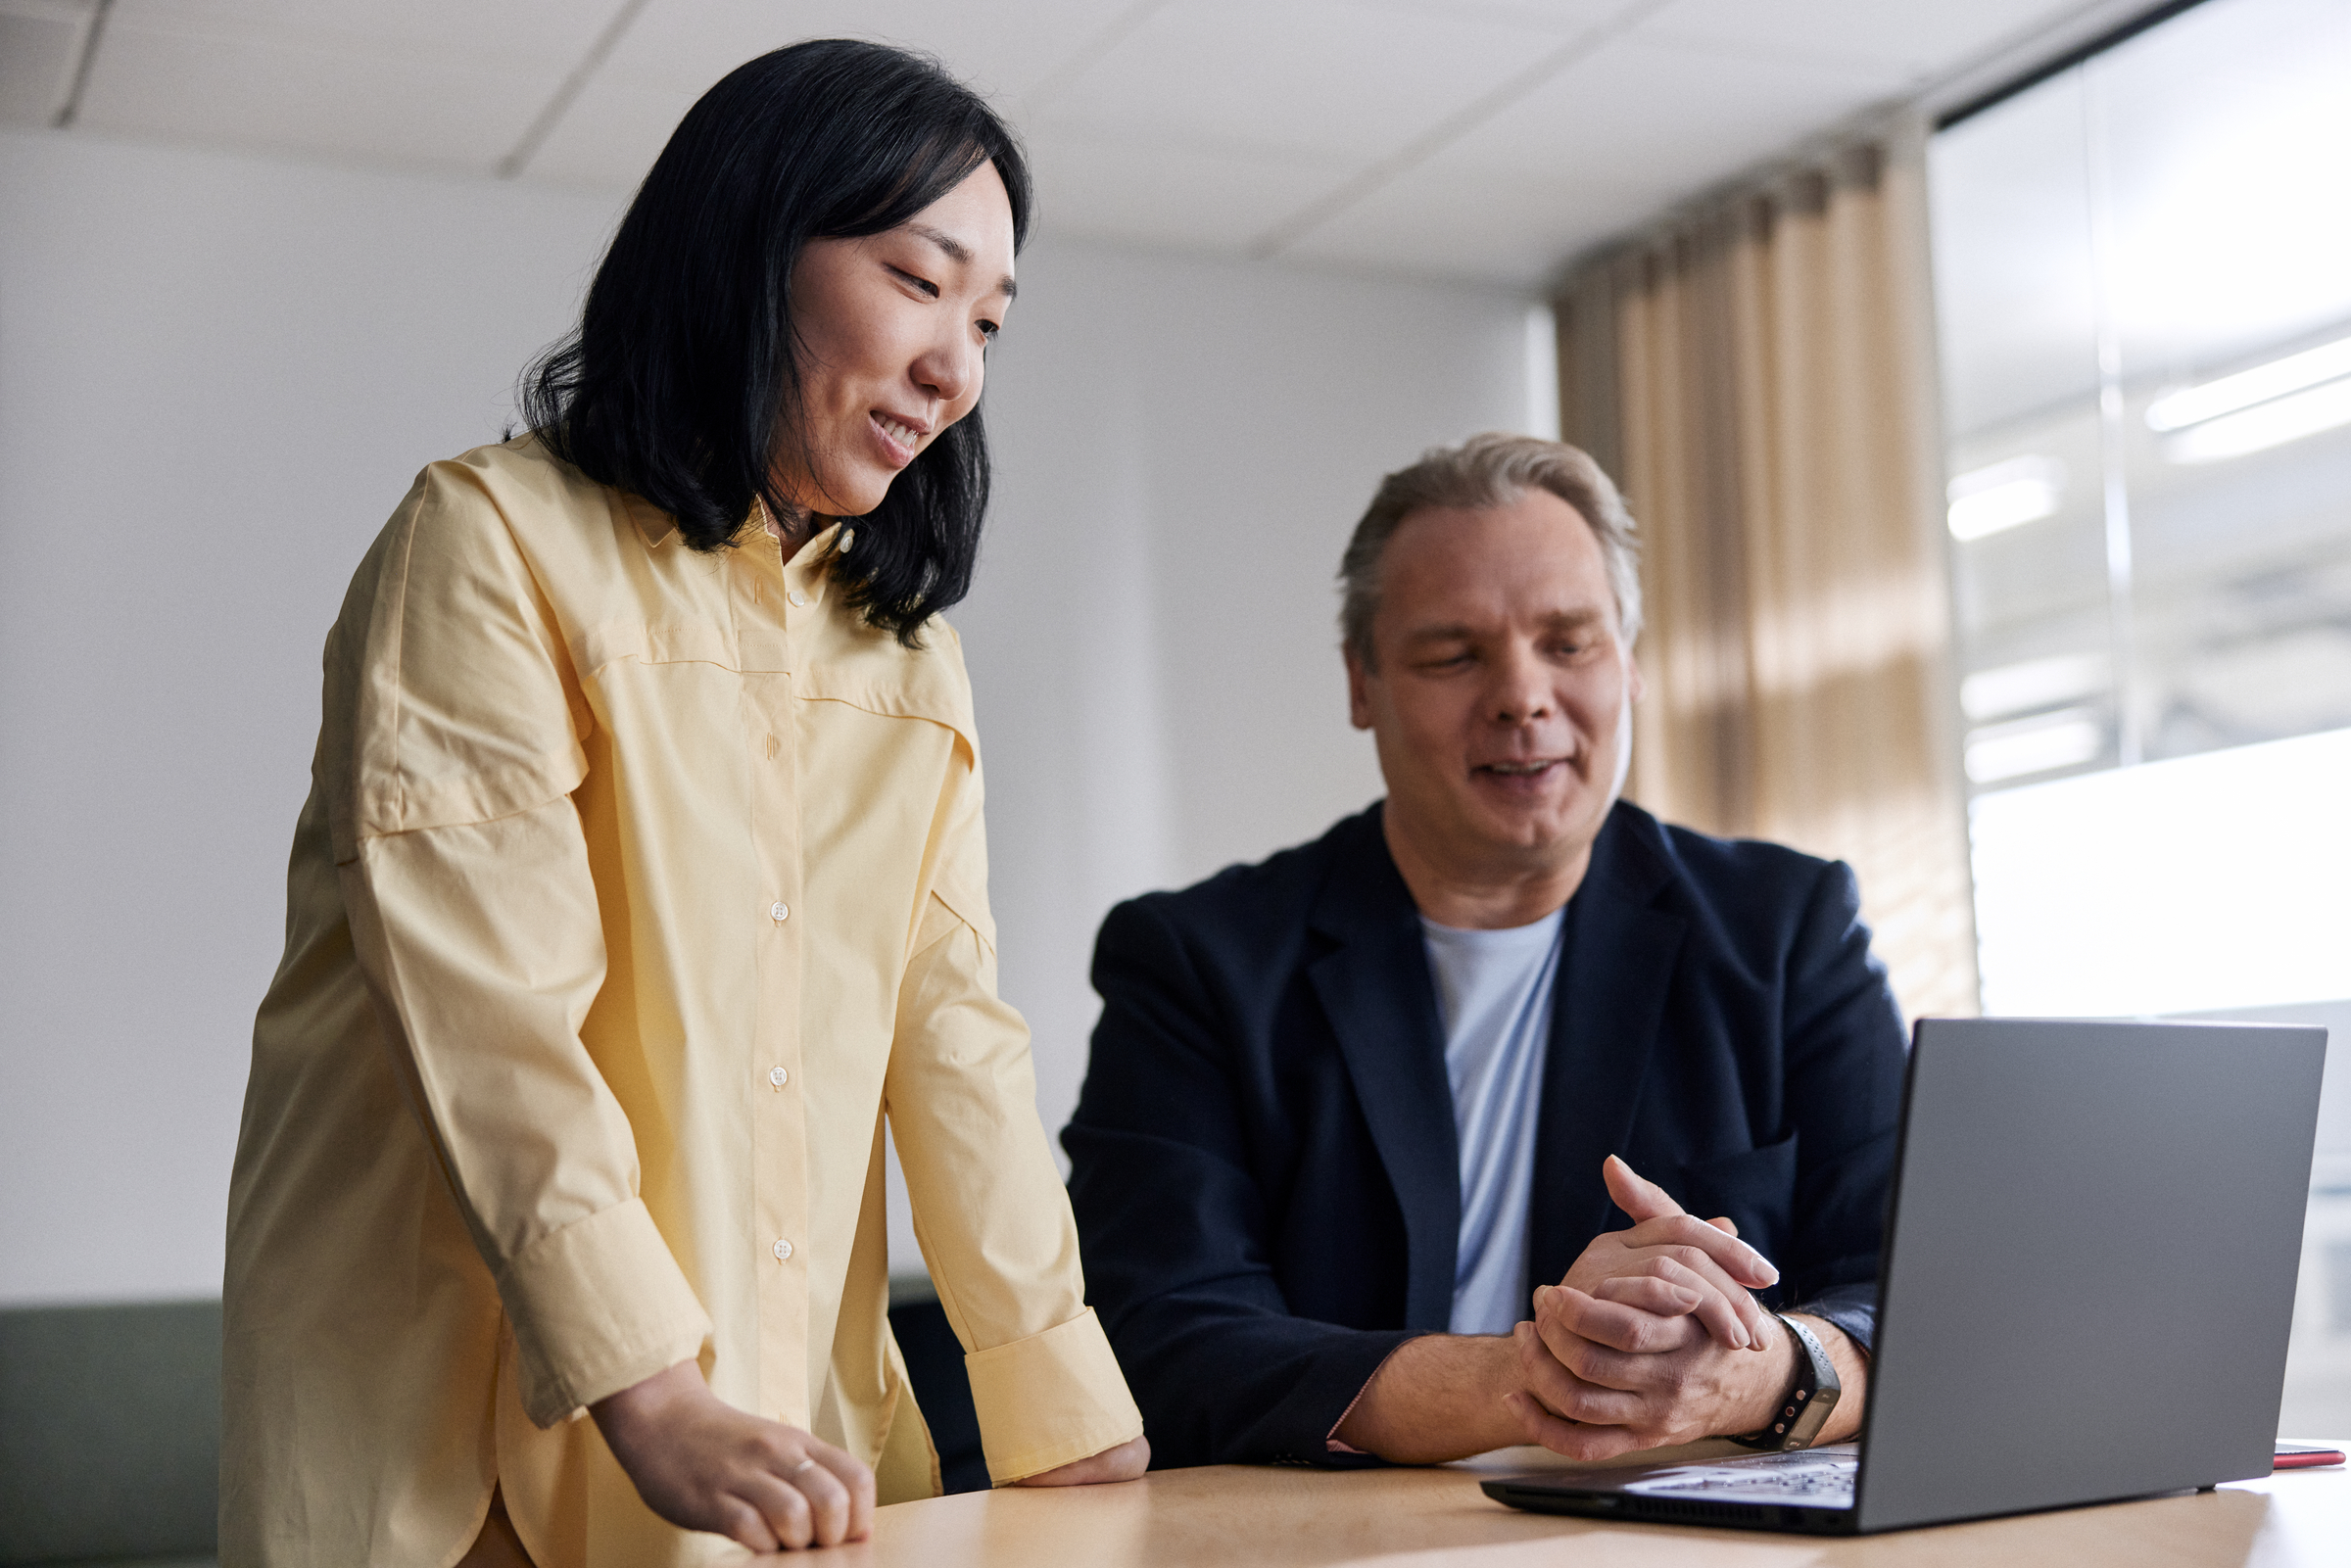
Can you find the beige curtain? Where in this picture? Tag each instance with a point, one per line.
(1759, 376)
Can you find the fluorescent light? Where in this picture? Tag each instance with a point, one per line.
(2004, 496)
(2248, 387)
(2034, 684)
(2042, 745)
(2270, 424)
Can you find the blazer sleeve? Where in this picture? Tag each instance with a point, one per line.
(990, 1212)
(1845, 1060)
(1175, 1226)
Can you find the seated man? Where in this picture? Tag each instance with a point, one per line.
(1347, 1108)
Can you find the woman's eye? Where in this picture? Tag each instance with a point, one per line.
(990, 329)
(929, 289)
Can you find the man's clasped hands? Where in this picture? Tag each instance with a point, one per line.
(1652, 1338)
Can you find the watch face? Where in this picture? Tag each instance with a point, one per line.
(1812, 1417)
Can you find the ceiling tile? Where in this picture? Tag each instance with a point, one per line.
(1196, 124)
(1667, 120)
(40, 47)
(534, 37)
(1166, 195)
(677, 49)
(609, 135)
(248, 83)
(1444, 219)
(1595, 150)
(1564, 16)
(1352, 81)
(1910, 41)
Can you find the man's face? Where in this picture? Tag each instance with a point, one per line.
(1502, 697)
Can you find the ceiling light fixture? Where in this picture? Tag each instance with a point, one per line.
(2043, 683)
(2266, 425)
(2064, 739)
(2296, 371)
(2004, 496)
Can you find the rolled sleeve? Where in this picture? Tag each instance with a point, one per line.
(989, 1208)
(599, 1306)
(1050, 1399)
(452, 747)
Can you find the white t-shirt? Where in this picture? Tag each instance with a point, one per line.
(1493, 992)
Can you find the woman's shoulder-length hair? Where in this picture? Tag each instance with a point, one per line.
(681, 374)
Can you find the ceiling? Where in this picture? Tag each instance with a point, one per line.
(1483, 140)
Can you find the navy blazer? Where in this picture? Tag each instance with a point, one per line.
(1265, 1168)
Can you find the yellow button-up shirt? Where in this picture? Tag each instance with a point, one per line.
(636, 888)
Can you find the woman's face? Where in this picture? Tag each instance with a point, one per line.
(893, 343)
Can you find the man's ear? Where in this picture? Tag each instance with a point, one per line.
(1359, 700)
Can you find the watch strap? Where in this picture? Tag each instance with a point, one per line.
(1805, 1409)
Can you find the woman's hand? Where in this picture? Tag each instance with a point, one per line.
(1122, 1463)
(702, 1465)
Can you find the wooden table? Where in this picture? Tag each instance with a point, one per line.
(1229, 1515)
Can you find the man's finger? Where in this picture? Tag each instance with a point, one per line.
(1565, 1437)
(1753, 1321)
(1589, 1359)
(1639, 1198)
(1650, 1294)
(1738, 1260)
(1724, 1310)
(1565, 1395)
(1557, 1308)
(1624, 1325)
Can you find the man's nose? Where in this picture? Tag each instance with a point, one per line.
(1521, 691)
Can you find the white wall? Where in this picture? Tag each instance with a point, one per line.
(218, 375)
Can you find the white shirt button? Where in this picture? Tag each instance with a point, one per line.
(782, 1250)
(778, 1076)
(779, 912)
(798, 599)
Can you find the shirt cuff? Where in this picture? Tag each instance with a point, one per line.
(1050, 1399)
(597, 1307)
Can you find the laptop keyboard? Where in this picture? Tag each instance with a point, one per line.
(1822, 1481)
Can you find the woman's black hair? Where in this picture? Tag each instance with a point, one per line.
(681, 372)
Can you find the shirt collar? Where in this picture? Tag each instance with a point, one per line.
(653, 524)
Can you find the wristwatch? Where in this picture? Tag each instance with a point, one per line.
(1805, 1409)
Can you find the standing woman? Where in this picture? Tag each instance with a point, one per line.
(641, 878)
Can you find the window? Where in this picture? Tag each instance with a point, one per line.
(2145, 324)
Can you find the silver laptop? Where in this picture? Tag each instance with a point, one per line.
(2088, 1282)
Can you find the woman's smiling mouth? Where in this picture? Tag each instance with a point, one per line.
(900, 438)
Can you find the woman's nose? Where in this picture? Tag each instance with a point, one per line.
(950, 370)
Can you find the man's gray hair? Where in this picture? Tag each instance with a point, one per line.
(1490, 470)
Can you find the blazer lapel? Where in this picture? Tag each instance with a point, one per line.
(1374, 988)
(1607, 1005)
